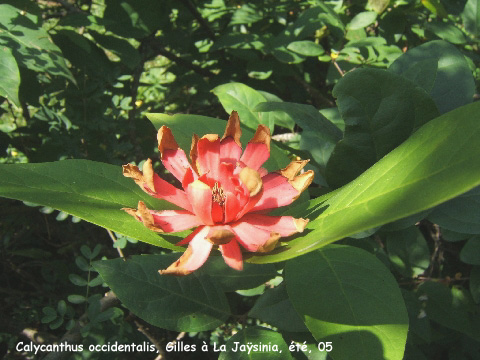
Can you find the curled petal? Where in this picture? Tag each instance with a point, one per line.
(173, 158)
(292, 169)
(208, 155)
(232, 254)
(279, 191)
(270, 244)
(251, 179)
(194, 257)
(220, 235)
(283, 225)
(249, 236)
(200, 197)
(258, 149)
(154, 185)
(143, 214)
(175, 220)
(230, 146)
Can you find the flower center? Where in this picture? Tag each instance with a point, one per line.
(218, 194)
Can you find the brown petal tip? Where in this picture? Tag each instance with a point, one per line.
(270, 244)
(148, 174)
(233, 128)
(292, 169)
(252, 180)
(302, 181)
(262, 135)
(177, 268)
(146, 217)
(300, 224)
(220, 236)
(166, 140)
(133, 172)
(194, 152)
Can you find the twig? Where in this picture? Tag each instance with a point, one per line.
(114, 239)
(144, 329)
(339, 69)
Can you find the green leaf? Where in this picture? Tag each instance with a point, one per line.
(439, 161)
(188, 303)
(120, 47)
(347, 296)
(381, 110)
(62, 308)
(362, 20)
(446, 31)
(31, 45)
(243, 99)
(408, 251)
(378, 5)
(452, 308)
(306, 48)
(77, 280)
(266, 345)
(470, 253)
(10, 76)
(461, 214)
(251, 276)
(246, 14)
(184, 126)
(134, 18)
(92, 191)
(471, 17)
(275, 308)
(76, 299)
(441, 70)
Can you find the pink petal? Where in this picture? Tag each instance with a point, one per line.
(166, 191)
(195, 256)
(232, 255)
(200, 197)
(175, 220)
(176, 162)
(255, 155)
(191, 236)
(277, 192)
(230, 151)
(249, 236)
(208, 156)
(283, 225)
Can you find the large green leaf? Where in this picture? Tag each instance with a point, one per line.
(347, 296)
(92, 191)
(441, 70)
(265, 344)
(10, 76)
(243, 99)
(440, 161)
(471, 17)
(31, 45)
(275, 308)
(461, 214)
(381, 110)
(184, 126)
(187, 303)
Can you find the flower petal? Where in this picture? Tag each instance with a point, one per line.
(200, 197)
(220, 235)
(154, 185)
(232, 254)
(195, 256)
(208, 155)
(258, 149)
(230, 146)
(143, 214)
(252, 180)
(173, 158)
(175, 220)
(283, 225)
(250, 237)
(279, 191)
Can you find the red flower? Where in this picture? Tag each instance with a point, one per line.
(226, 195)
